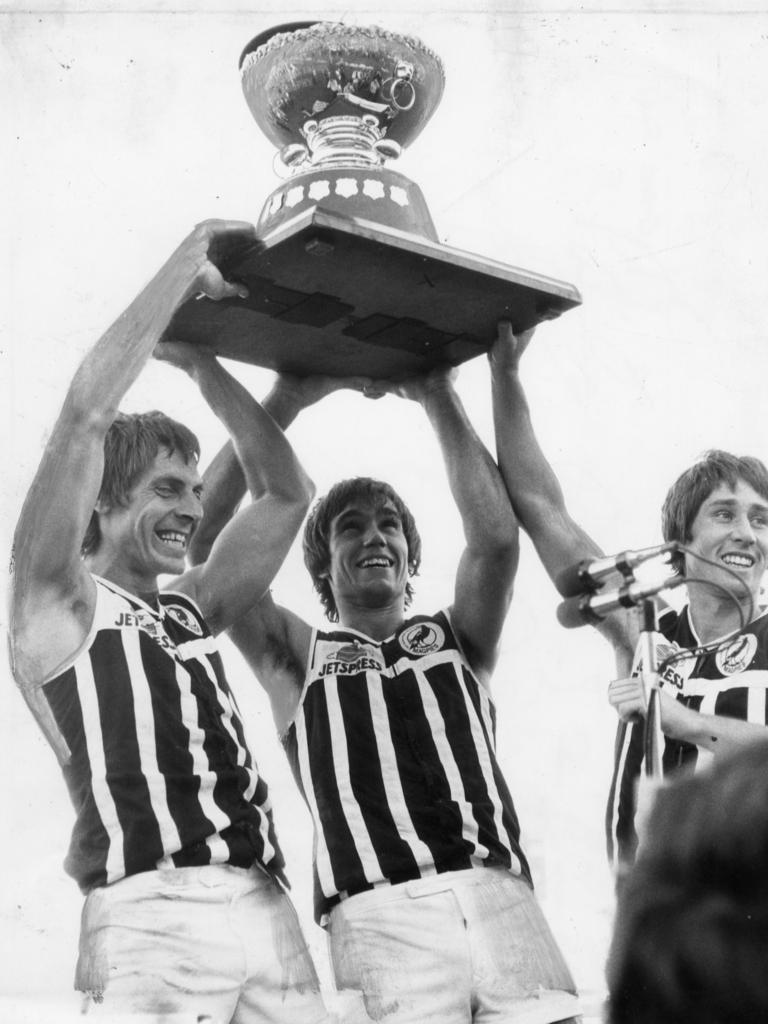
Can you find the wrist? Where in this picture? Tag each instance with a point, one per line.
(438, 394)
(202, 366)
(505, 370)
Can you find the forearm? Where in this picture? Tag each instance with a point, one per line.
(224, 479)
(717, 733)
(477, 488)
(66, 485)
(117, 358)
(528, 476)
(282, 404)
(267, 463)
(530, 481)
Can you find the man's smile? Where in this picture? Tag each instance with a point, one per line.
(375, 561)
(738, 560)
(173, 538)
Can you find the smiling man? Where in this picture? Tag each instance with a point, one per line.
(713, 655)
(174, 842)
(389, 727)
(714, 689)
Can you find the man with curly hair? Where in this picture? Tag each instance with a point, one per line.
(389, 726)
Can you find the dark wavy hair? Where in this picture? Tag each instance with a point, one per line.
(130, 447)
(317, 553)
(692, 488)
(691, 928)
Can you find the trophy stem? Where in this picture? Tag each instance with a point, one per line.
(340, 141)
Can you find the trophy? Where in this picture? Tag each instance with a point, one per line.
(347, 275)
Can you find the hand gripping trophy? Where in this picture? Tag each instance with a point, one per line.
(348, 267)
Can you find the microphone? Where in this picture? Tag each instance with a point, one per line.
(589, 573)
(589, 609)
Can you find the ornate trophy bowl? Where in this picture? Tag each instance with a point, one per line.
(348, 275)
(315, 70)
(339, 101)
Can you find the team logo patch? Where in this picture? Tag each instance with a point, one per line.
(184, 618)
(735, 656)
(349, 659)
(422, 638)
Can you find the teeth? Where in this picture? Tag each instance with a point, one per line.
(745, 561)
(368, 562)
(175, 539)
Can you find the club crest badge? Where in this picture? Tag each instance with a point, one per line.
(736, 656)
(184, 618)
(422, 638)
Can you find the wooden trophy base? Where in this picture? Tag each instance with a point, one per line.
(339, 295)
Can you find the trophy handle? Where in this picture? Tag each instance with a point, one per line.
(388, 149)
(289, 158)
(401, 94)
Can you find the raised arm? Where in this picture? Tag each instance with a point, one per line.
(274, 641)
(52, 596)
(224, 479)
(488, 564)
(251, 547)
(533, 488)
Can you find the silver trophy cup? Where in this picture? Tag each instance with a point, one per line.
(348, 275)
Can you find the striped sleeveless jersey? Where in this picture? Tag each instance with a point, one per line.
(160, 773)
(731, 680)
(393, 748)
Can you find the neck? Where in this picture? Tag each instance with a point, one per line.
(713, 615)
(377, 623)
(138, 584)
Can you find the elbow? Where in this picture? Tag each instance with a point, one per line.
(304, 494)
(294, 502)
(506, 551)
(82, 416)
(310, 491)
(501, 549)
(500, 534)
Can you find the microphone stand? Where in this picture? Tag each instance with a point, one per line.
(653, 738)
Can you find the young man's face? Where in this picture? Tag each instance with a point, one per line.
(369, 554)
(731, 529)
(151, 534)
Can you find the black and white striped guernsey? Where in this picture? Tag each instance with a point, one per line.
(393, 748)
(160, 772)
(731, 680)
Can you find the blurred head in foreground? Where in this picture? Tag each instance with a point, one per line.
(691, 935)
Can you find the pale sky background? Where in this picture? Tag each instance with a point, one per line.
(621, 148)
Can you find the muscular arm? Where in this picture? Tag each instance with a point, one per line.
(488, 564)
(274, 642)
(53, 597)
(251, 547)
(535, 491)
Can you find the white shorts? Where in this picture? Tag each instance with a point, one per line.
(217, 944)
(449, 949)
